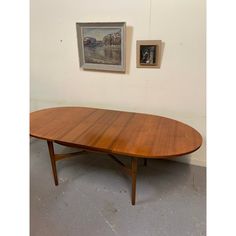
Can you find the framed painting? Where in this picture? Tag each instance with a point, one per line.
(148, 53)
(102, 45)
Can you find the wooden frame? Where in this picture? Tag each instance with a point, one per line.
(130, 171)
(148, 53)
(102, 45)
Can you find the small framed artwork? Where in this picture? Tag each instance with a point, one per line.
(102, 45)
(148, 53)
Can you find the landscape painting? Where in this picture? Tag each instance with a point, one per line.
(102, 46)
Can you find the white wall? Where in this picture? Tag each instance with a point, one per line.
(177, 90)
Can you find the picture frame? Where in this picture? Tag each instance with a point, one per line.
(101, 45)
(148, 53)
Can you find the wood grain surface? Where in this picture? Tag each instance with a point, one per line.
(118, 132)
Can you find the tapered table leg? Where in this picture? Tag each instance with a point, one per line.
(53, 161)
(145, 161)
(134, 165)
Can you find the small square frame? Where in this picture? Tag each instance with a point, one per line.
(148, 53)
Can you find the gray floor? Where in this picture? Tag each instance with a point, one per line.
(93, 197)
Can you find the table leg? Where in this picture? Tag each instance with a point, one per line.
(145, 161)
(53, 161)
(134, 165)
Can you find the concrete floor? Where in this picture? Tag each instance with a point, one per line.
(93, 197)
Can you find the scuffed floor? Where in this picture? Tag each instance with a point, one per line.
(93, 197)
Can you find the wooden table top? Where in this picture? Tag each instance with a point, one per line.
(117, 132)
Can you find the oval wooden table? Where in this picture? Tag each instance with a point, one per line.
(134, 135)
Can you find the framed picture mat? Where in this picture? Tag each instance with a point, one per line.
(148, 53)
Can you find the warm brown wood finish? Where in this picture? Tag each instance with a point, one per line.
(53, 161)
(134, 166)
(114, 132)
(125, 133)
